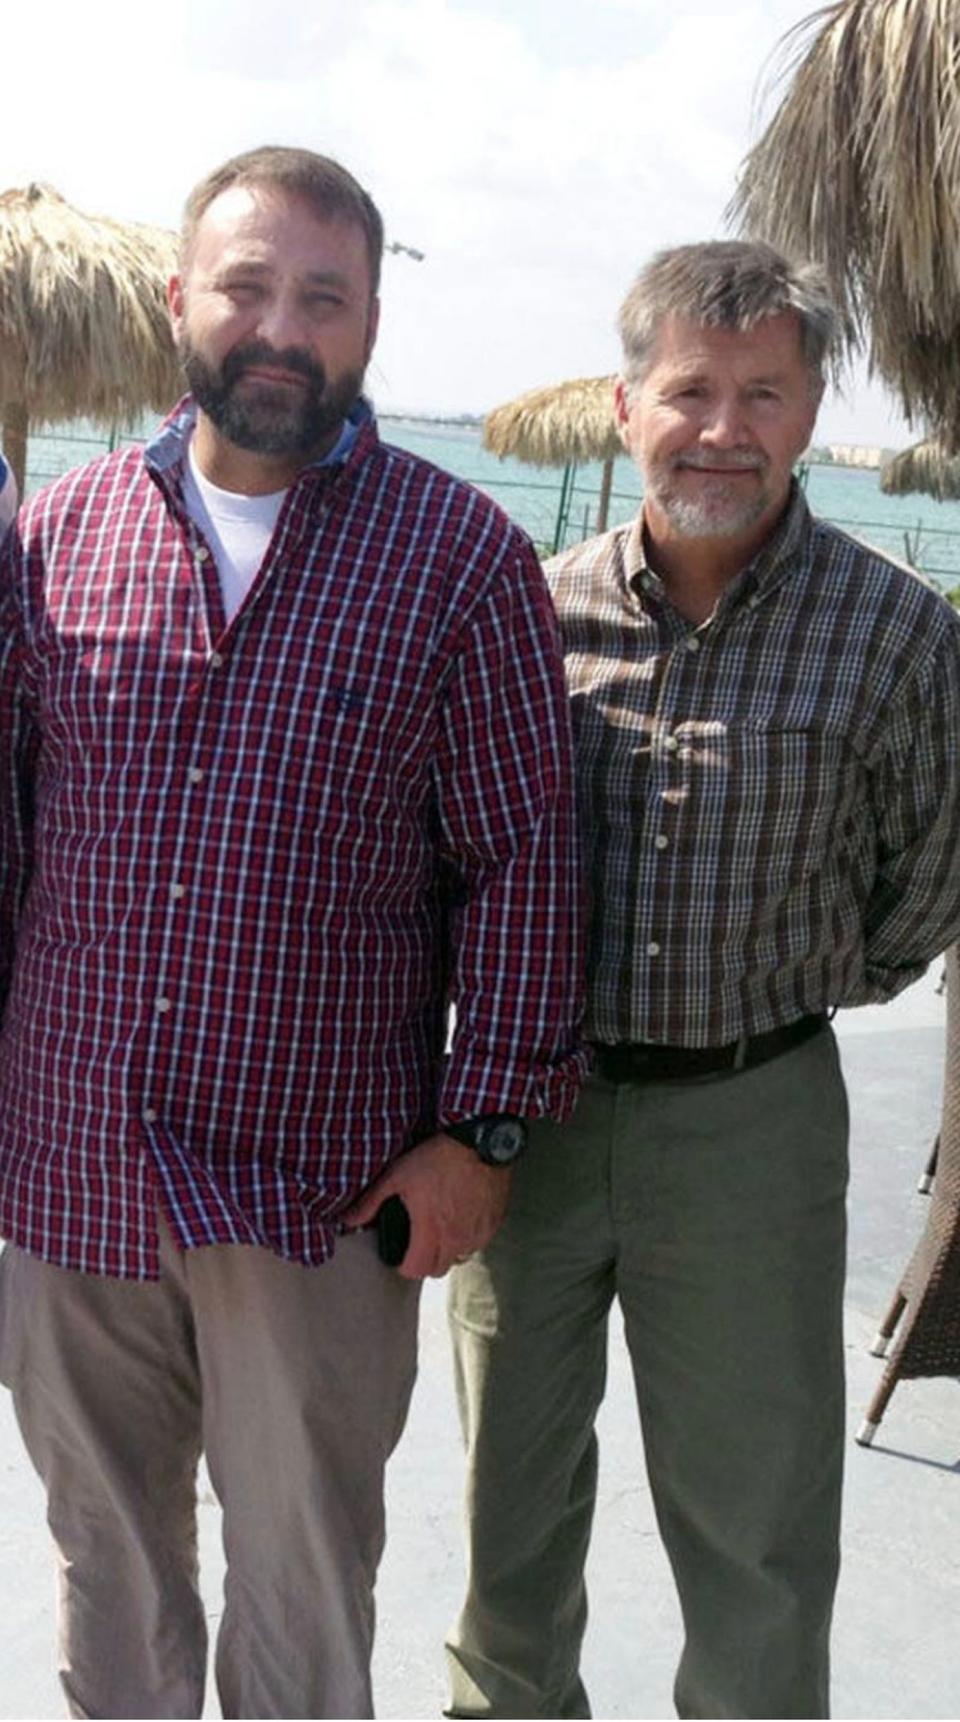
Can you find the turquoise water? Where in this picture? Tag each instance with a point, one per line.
(845, 495)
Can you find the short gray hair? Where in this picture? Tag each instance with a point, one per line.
(727, 284)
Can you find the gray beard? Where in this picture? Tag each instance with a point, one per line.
(702, 518)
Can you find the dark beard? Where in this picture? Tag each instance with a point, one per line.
(274, 421)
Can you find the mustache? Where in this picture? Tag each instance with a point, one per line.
(732, 462)
(255, 353)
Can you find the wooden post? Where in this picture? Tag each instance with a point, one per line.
(563, 507)
(606, 483)
(15, 425)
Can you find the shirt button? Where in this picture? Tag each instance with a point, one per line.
(216, 660)
(149, 1116)
(662, 842)
(671, 743)
(195, 774)
(178, 891)
(692, 643)
(202, 553)
(653, 949)
(163, 1005)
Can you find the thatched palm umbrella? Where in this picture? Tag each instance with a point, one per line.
(860, 169)
(925, 468)
(84, 331)
(560, 426)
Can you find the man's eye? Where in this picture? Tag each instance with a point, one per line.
(322, 301)
(243, 289)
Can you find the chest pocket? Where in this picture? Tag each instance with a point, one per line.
(776, 805)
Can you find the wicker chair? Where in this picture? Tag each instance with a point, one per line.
(925, 1313)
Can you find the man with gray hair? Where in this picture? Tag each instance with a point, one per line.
(767, 718)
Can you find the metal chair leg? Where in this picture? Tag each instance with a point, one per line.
(887, 1328)
(877, 1407)
(925, 1181)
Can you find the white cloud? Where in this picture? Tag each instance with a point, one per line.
(536, 152)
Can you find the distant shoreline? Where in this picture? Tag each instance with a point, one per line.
(468, 421)
(862, 457)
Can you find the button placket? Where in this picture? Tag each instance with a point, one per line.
(161, 1010)
(176, 890)
(667, 752)
(207, 587)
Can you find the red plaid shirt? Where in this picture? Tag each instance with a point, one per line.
(243, 866)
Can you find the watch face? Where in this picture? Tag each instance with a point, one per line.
(503, 1141)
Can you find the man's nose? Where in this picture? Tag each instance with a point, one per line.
(723, 425)
(280, 322)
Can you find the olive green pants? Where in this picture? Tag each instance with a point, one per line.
(715, 1212)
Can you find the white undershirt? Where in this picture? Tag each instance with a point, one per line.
(237, 528)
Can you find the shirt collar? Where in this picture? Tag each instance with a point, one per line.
(168, 448)
(777, 558)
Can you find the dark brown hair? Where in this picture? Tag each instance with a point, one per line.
(332, 192)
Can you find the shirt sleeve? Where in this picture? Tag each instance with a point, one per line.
(504, 786)
(913, 912)
(8, 498)
(18, 745)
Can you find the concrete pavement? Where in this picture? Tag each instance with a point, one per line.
(899, 1597)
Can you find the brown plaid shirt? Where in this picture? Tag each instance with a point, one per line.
(771, 800)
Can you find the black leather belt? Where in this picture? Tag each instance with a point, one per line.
(643, 1061)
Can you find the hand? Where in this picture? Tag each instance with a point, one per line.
(454, 1200)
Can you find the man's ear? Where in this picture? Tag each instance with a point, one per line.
(621, 411)
(175, 301)
(816, 396)
(373, 324)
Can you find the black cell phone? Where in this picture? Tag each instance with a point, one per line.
(393, 1231)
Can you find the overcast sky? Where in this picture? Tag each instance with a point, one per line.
(535, 150)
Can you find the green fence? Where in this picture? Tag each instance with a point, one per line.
(557, 510)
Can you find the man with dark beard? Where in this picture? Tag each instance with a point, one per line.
(767, 726)
(288, 766)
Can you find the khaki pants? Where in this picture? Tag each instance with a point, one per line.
(715, 1212)
(295, 1383)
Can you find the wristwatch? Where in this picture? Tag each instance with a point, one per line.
(497, 1138)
